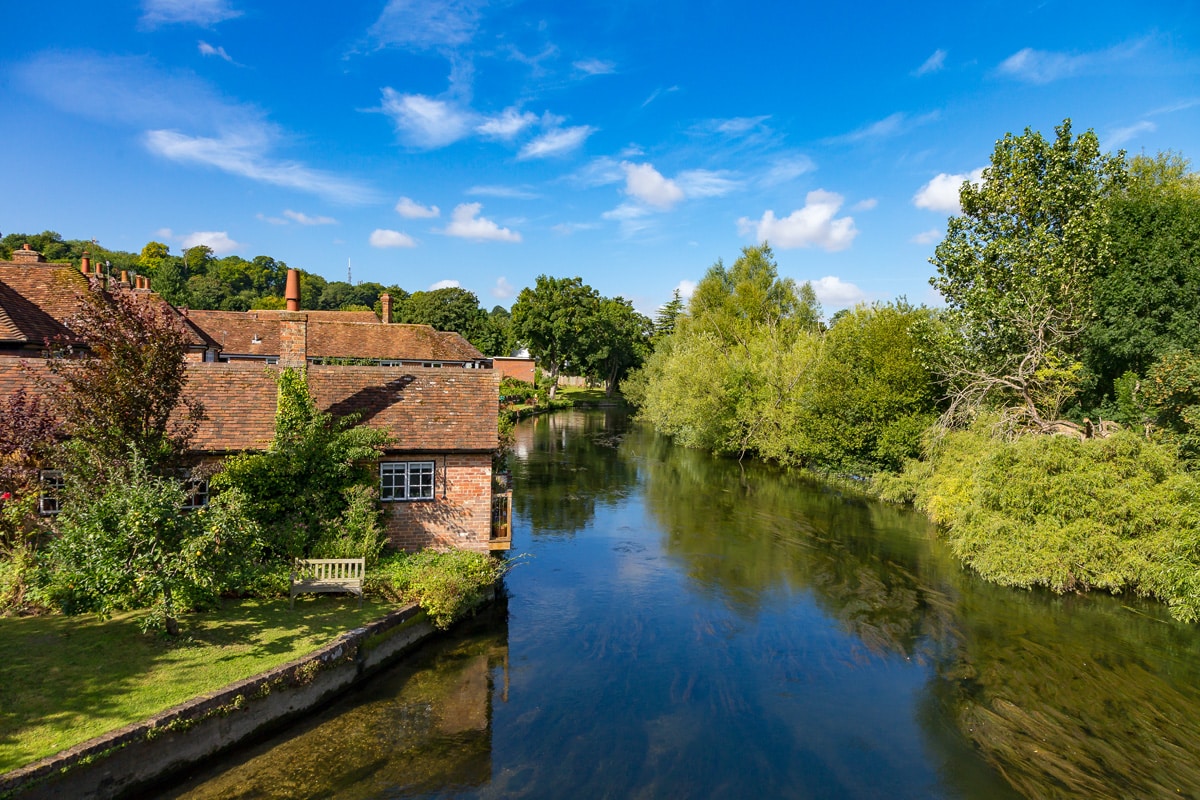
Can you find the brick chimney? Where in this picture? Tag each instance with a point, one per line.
(291, 292)
(385, 300)
(85, 263)
(293, 338)
(27, 255)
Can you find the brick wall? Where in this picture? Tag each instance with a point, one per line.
(293, 339)
(519, 368)
(461, 520)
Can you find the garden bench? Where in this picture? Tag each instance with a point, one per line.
(327, 575)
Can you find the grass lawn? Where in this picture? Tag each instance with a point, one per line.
(64, 680)
(579, 394)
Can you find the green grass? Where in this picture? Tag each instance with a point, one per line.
(64, 680)
(579, 394)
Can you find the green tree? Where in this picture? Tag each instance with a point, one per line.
(1146, 303)
(301, 486)
(1018, 268)
(550, 320)
(668, 314)
(617, 340)
(447, 309)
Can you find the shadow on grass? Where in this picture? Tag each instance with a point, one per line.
(64, 680)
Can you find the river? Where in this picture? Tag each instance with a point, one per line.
(683, 626)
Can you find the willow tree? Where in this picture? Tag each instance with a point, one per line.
(1017, 269)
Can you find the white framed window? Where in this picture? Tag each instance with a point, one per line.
(195, 493)
(50, 499)
(406, 480)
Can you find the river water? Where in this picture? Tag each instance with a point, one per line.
(682, 626)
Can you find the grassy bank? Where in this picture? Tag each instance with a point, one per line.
(64, 680)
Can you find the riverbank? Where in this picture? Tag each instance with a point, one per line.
(123, 762)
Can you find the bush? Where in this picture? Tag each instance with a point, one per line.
(446, 585)
(356, 533)
(1119, 514)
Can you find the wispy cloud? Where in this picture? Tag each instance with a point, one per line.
(1045, 66)
(426, 122)
(304, 219)
(890, 126)
(207, 49)
(932, 64)
(410, 209)
(697, 183)
(465, 223)
(218, 241)
(425, 24)
(204, 13)
(865, 205)
(506, 125)
(738, 126)
(816, 224)
(569, 228)
(508, 192)
(1120, 136)
(557, 142)
(383, 239)
(941, 193)
(657, 93)
(245, 154)
(595, 66)
(787, 168)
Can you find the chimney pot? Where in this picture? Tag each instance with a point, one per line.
(85, 263)
(26, 246)
(291, 292)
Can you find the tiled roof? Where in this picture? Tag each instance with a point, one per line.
(424, 409)
(333, 334)
(36, 299)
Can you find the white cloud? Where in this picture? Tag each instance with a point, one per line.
(657, 93)
(686, 289)
(271, 220)
(465, 223)
(865, 205)
(738, 126)
(556, 142)
(1043, 66)
(422, 24)
(941, 193)
(410, 209)
(506, 125)
(218, 241)
(244, 154)
(833, 292)
(932, 64)
(594, 66)
(647, 184)
(383, 238)
(305, 219)
(927, 237)
(503, 290)
(509, 192)
(600, 171)
(815, 224)
(787, 168)
(207, 49)
(626, 211)
(706, 183)
(1122, 135)
(426, 122)
(204, 13)
(446, 284)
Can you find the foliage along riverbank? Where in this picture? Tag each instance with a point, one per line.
(1071, 280)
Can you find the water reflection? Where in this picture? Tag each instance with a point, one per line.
(424, 726)
(692, 627)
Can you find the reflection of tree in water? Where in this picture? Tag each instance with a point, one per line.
(1066, 697)
(745, 531)
(563, 465)
(419, 728)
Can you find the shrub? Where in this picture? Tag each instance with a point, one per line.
(447, 585)
(357, 532)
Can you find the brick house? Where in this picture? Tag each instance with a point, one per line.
(431, 391)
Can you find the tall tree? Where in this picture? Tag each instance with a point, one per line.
(617, 340)
(448, 309)
(549, 319)
(1018, 268)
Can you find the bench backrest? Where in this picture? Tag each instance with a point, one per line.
(330, 569)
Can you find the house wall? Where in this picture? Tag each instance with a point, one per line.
(519, 368)
(461, 520)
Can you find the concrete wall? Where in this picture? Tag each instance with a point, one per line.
(128, 762)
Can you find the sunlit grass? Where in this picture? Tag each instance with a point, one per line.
(64, 680)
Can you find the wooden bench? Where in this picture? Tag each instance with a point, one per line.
(327, 575)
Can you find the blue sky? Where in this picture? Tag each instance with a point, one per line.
(480, 144)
